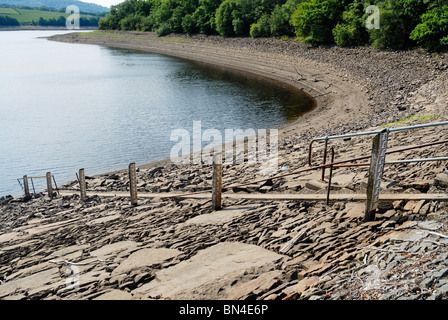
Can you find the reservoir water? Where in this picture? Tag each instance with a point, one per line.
(69, 106)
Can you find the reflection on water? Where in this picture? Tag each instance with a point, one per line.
(69, 106)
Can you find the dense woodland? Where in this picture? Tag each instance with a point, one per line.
(402, 23)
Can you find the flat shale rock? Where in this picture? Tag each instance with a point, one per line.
(209, 274)
(145, 258)
(220, 217)
(114, 249)
(115, 295)
(31, 284)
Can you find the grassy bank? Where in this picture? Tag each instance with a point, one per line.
(35, 16)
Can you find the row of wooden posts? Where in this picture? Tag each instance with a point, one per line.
(216, 189)
(379, 147)
(48, 177)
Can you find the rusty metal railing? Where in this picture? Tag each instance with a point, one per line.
(349, 135)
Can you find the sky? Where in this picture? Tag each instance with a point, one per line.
(105, 3)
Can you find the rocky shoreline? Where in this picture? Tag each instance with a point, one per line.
(178, 248)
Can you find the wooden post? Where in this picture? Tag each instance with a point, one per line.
(49, 186)
(133, 183)
(217, 182)
(25, 185)
(82, 185)
(379, 146)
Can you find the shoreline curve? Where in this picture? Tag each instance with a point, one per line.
(328, 90)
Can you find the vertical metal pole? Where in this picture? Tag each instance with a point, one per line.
(56, 186)
(49, 186)
(25, 184)
(82, 185)
(217, 182)
(324, 159)
(379, 146)
(32, 183)
(331, 174)
(133, 183)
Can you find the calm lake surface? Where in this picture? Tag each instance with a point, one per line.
(69, 106)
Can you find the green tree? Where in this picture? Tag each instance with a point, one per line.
(280, 19)
(432, 32)
(314, 20)
(351, 31)
(262, 28)
(225, 16)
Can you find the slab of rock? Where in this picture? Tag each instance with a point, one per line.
(210, 273)
(255, 286)
(145, 258)
(34, 282)
(114, 249)
(104, 219)
(115, 295)
(441, 180)
(316, 185)
(220, 217)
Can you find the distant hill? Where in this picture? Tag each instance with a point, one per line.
(57, 4)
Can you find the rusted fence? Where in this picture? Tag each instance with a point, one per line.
(376, 168)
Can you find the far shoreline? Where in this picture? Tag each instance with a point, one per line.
(41, 28)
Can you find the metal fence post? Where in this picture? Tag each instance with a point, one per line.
(217, 182)
(379, 146)
(82, 185)
(133, 183)
(49, 186)
(25, 185)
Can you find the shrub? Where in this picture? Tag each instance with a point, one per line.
(352, 30)
(314, 21)
(262, 28)
(189, 24)
(163, 29)
(224, 17)
(432, 32)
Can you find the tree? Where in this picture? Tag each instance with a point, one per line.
(262, 28)
(225, 16)
(351, 31)
(8, 21)
(432, 32)
(280, 19)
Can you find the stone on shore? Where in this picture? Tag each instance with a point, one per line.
(210, 273)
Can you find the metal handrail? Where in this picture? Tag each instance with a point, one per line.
(388, 130)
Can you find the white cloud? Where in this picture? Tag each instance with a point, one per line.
(105, 3)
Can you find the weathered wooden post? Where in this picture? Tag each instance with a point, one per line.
(49, 186)
(379, 146)
(25, 185)
(217, 182)
(133, 183)
(82, 185)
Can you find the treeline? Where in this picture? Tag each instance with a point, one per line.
(48, 9)
(61, 22)
(6, 21)
(402, 23)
